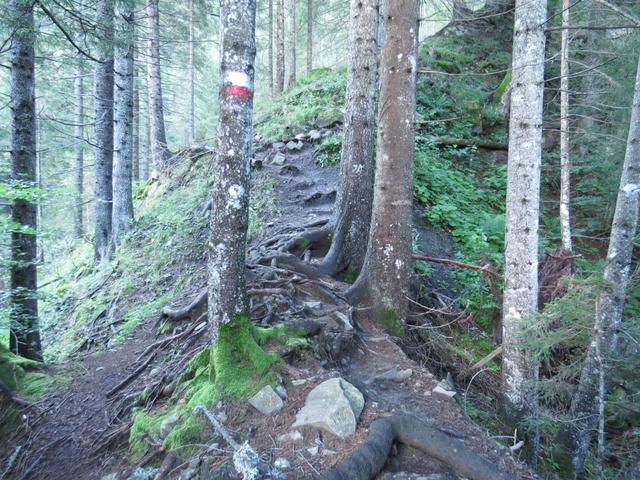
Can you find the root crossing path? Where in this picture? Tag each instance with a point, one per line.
(80, 430)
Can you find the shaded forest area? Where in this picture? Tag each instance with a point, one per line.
(348, 239)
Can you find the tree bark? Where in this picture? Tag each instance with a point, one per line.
(279, 84)
(523, 199)
(292, 44)
(227, 297)
(135, 169)
(192, 76)
(123, 121)
(78, 148)
(309, 36)
(24, 338)
(383, 280)
(350, 221)
(159, 151)
(587, 404)
(270, 49)
(103, 131)
(565, 159)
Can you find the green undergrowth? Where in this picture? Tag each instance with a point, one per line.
(317, 99)
(163, 256)
(239, 365)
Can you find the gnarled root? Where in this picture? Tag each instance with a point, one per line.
(180, 313)
(369, 459)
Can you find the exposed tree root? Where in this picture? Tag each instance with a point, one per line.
(369, 459)
(180, 313)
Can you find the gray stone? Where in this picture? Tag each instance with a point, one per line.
(266, 401)
(315, 134)
(333, 406)
(141, 473)
(282, 463)
(281, 391)
(297, 383)
(278, 146)
(278, 159)
(327, 453)
(297, 145)
(294, 436)
(395, 375)
(442, 390)
(168, 424)
(313, 451)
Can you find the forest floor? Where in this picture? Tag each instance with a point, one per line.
(80, 431)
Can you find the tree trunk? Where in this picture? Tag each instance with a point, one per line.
(587, 404)
(279, 46)
(103, 131)
(24, 338)
(135, 169)
(270, 49)
(192, 76)
(227, 296)
(123, 120)
(565, 160)
(145, 166)
(383, 280)
(352, 213)
(523, 204)
(78, 148)
(309, 36)
(292, 44)
(159, 151)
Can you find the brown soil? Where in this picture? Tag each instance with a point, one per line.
(63, 436)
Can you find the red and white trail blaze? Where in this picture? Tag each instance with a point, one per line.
(238, 84)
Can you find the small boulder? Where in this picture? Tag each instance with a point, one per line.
(278, 146)
(282, 463)
(278, 159)
(315, 135)
(297, 145)
(395, 375)
(444, 390)
(333, 406)
(266, 401)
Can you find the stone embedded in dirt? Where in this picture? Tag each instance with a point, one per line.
(295, 145)
(282, 463)
(300, 381)
(266, 401)
(395, 375)
(294, 436)
(443, 390)
(315, 134)
(313, 451)
(278, 146)
(169, 424)
(302, 136)
(281, 391)
(328, 453)
(343, 320)
(278, 159)
(333, 406)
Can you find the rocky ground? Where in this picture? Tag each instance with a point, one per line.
(328, 394)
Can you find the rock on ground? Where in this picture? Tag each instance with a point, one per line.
(266, 401)
(333, 406)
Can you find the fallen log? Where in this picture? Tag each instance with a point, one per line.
(371, 456)
(468, 142)
(455, 263)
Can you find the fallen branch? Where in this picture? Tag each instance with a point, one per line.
(245, 459)
(6, 391)
(484, 361)
(135, 373)
(371, 456)
(455, 263)
(180, 313)
(468, 142)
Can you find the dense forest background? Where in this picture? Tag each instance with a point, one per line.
(454, 323)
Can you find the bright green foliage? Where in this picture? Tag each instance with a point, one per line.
(392, 322)
(328, 152)
(316, 99)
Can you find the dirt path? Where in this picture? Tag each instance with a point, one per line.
(60, 437)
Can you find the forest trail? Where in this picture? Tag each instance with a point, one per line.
(80, 431)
